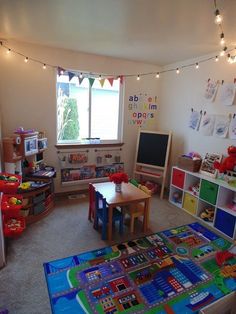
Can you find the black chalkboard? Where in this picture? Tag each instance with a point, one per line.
(152, 148)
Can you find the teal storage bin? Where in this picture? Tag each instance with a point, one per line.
(39, 208)
(208, 191)
(39, 198)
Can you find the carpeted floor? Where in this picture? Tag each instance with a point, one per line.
(66, 231)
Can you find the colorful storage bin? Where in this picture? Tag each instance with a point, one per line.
(178, 178)
(9, 182)
(190, 203)
(11, 204)
(225, 222)
(13, 227)
(208, 191)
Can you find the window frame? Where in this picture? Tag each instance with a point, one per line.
(119, 139)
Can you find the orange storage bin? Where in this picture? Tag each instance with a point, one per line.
(9, 182)
(13, 227)
(8, 206)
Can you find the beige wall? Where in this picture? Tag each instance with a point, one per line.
(180, 93)
(28, 93)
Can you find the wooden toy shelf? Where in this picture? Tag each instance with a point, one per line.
(38, 202)
(213, 193)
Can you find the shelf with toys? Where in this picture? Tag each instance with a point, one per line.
(211, 200)
(11, 204)
(38, 198)
(23, 154)
(82, 165)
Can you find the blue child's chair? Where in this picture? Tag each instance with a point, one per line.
(101, 212)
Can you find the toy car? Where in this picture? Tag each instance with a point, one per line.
(207, 214)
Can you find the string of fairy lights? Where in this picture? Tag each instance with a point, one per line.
(102, 77)
(218, 21)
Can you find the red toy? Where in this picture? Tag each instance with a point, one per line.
(222, 257)
(229, 163)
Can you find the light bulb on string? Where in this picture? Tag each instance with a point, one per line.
(222, 53)
(138, 78)
(26, 59)
(61, 72)
(81, 75)
(222, 39)
(100, 77)
(44, 66)
(233, 59)
(216, 59)
(177, 71)
(8, 51)
(157, 75)
(218, 18)
(197, 66)
(228, 57)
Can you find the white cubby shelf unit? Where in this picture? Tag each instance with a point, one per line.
(214, 194)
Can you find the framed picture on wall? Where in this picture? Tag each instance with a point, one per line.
(207, 166)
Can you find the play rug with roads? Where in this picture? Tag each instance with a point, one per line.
(174, 271)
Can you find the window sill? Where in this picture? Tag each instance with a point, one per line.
(76, 146)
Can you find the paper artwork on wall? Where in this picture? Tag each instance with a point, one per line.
(221, 126)
(194, 120)
(211, 90)
(207, 124)
(227, 94)
(207, 166)
(232, 128)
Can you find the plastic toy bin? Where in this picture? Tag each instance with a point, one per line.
(13, 227)
(8, 184)
(11, 209)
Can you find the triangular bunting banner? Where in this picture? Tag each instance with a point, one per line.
(111, 79)
(91, 81)
(80, 79)
(60, 71)
(71, 75)
(102, 81)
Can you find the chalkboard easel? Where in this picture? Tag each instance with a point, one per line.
(152, 154)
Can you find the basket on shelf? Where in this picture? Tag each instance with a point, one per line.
(9, 182)
(13, 227)
(189, 164)
(11, 204)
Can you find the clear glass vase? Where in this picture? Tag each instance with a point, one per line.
(118, 187)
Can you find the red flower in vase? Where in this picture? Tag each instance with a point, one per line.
(119, 177)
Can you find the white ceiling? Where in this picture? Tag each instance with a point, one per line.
(154, 31)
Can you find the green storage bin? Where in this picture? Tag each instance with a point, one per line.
(208, 191)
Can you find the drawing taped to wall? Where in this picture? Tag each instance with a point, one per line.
(194, 120)
(232, 128)
(207, 124)
(211, 90)
(221, 126)
(227, 94)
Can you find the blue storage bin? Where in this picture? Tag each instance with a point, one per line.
(225, 222)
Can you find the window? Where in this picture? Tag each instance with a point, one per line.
(88, 112)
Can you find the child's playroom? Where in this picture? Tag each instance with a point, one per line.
(118, 157)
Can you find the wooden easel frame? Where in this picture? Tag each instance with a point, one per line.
(152, 171)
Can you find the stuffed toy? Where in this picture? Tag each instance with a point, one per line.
(229, 163)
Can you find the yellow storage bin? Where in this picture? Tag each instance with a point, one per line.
(190, 203)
